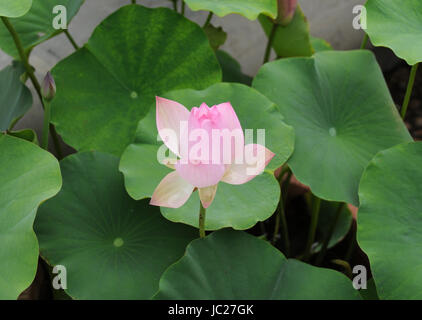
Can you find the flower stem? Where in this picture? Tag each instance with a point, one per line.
(409, 90)
(175, 5)
(270, 43)
(202, 213)
(316, 204)
(285, 230)
(263, 230)
(46, 127)
(56, 141)
(30, 72)
(351, 249)
(364, 41)
(329, 234)
(208, 21)
(72, 41)
(281, 212)
(286, 184)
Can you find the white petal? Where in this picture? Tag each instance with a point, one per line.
(207, 195)
(172, 192)
(256, 159)
(170, 116)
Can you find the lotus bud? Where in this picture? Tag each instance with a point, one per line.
(48, 88)
(286, 11)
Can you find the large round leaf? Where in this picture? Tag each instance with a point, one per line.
(397, 25)
(36, 26)
(390, 221)
(233, 265)
(15, 97)
(25, 134)
(15, 8)
(239, 207)
(370, 293)
(105, 88)
(247, 8)
(335, 220)
(342, 117)
(141, 169)
(292, 40)
(319, 44)
(29, 176)
(232, 70)
(112, 246)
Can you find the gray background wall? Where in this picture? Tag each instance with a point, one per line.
(329, 19)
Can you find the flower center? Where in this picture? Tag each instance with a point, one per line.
(206, 116)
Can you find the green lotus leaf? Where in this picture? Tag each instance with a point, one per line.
(370, 293)
(106, 87)
(29, 176)
(15, 8)
(15, 97)
(319, 44)
(398, 26)
(327, 217)
(216, 35)
(36, 26)
(25, 134)
(247, 8)
(292, 40)
(232, 71)
(342, 117)
(112, 246)
(390, 221)
(233, 265)
(239, 207)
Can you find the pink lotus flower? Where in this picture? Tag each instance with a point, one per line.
(210, 148)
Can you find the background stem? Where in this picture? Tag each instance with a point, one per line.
(364, 41)
(208, 21)
(183, 7)
(281, 211)
(345, 265)
(329, 234)
(351, 248)
(270, 43)
(30, 72)
(56, 141)
(409, 90)
(316, 204)
(46, 127)
(22, 55)
(285, 230)
(72, 41)
(175, 5)
(202, 213)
